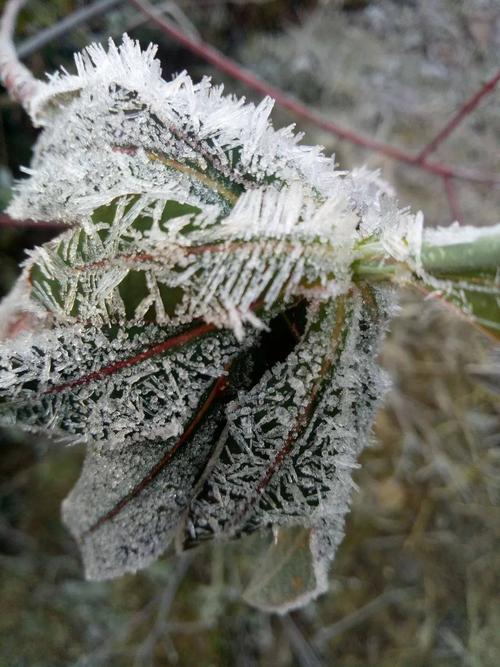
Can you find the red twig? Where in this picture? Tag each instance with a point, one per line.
(10, 223)
(455, 120)
(225, 64)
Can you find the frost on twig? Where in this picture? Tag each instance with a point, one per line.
(141, 330)
(17, 79)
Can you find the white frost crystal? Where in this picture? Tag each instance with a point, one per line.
(294, 438)
(139, 329)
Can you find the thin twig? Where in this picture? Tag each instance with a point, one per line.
(160, 630)
(304, 652)
(233, 69)
(70, 22)
(329, 632)
(10, 223)
(177, 14)
(33, 44)
(457, 118)
(17, 79)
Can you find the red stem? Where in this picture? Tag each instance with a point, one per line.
(455, 120)
(225, 64)
(218, 388)
(11, 223)
(100, 374)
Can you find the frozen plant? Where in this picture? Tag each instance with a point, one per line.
(209, 323)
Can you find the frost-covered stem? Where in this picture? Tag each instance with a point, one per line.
(481, 255)
(476, 256)
(17, 79)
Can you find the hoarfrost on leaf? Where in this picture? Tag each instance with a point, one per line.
(141, 330)
(291, 446)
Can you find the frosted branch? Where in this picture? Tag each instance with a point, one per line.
(17, 79)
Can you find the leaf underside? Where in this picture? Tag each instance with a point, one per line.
(287, 575)
(150, 419)
(292, 442)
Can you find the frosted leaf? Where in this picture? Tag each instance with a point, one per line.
(194, 226)
(146, 402)
(194, 221)
(292, 446)
(139, 258)
(187, 202)
(126, 505)
(111, 384)
(288, 575)
(116, 127)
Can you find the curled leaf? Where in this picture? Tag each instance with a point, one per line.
(293, 439)
(288, 575)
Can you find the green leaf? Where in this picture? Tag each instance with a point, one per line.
(288, 575)
(467, 274)
(126, 505)
(293, 439)
(147, 402)
(110, 271)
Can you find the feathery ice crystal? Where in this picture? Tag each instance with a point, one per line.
(144, 329)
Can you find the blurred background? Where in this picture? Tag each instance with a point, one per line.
(416, 581)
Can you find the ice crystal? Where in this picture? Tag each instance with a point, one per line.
(294, 438)
(118, 128)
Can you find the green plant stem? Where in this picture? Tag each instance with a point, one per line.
(475, 257)
(460, 260)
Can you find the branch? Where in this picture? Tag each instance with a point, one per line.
(10, 223)
(455, 120)
(230, 67)
(17, 79)
(73, 20)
